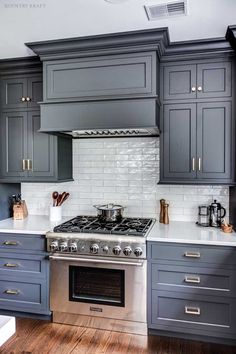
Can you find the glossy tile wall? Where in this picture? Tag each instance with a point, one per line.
(123, 171)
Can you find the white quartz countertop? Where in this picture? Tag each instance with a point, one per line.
(189, 232)
(33, 224)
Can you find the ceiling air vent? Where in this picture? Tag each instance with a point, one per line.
(176, 8)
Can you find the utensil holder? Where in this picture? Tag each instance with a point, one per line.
(55, 213)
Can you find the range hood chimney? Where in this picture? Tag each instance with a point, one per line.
(102, 86)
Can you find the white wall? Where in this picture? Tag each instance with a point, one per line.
(23, 21)
(124, 171)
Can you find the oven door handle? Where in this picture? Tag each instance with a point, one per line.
(93, 260)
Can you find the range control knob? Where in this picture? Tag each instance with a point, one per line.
(53, 246)
(72, 247)
(94, 248)
(105, 249)
(127, 251)
(138, 251)
(63, 246)
(116, 250)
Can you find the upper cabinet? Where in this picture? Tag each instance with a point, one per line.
(21, 92)
(203, 80)
(101, 77)
(26, 154)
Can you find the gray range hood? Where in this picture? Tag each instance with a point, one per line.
(102, 86)
(114, 118)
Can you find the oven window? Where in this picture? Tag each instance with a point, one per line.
(97, 285)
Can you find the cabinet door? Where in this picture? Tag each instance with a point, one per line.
(35, 90)
(179, 141)
(14, 144)
(214, 80)
(13, 91)
(179, 82)
(40, 149)
(214, 142)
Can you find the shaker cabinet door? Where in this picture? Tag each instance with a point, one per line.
(179, 141)
(13, 93)
(179, 82)
(40, 149)
(14, 144)
(214, 141)
(214, 80)
(35, 91)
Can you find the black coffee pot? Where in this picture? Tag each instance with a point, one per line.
(217, 213)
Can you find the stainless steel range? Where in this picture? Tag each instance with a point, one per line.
(98, 273)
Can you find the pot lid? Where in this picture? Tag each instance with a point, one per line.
(109, 206)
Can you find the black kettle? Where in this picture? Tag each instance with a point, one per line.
(217, 213)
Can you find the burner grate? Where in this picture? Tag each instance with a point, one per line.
(91, 224)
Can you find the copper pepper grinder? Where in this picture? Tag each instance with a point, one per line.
(161, 217)
(166, 213)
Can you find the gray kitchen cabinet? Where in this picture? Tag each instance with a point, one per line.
(112, 76)
(203, 80)
(28, 155)
(24, 274)
(197, 143)
(21, 92)
(191, 291)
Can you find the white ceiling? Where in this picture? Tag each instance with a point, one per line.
(24, 21)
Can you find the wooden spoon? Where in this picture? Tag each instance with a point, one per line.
(54, 198)
(64, 197)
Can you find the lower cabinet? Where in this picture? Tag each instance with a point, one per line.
(193, 295)
(24, 274)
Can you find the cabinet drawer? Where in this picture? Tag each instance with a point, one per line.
(193, 311)
(195, 254)
(118, 75)
(212, 281)
(19, 291)
(30, 265)
(22, 242)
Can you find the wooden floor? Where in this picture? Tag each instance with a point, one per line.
(41, 337)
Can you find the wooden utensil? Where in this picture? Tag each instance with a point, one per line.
(65, 196)
(54, 197)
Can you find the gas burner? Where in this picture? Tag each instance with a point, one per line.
(91, 224)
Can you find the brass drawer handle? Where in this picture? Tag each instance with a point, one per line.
(10, 243)
(11, 265)
(12, 292)
(192, 254)
(192, 279)
(189, 310)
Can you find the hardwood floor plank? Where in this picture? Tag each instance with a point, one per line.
(42, 337)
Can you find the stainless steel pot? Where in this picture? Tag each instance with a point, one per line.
(109, 212)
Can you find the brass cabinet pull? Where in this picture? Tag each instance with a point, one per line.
(199, 164)
(189, 310)
(193, 89)
(23, 164)
(192, 279)
(29, 165)
(23, 99)
(11, 265)
(28, 99)
(193, 164)
(10, 243)
(192, 254)
(199, 88)
(12, 292)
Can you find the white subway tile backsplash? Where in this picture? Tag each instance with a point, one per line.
(123, 171)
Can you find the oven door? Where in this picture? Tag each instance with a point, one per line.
(99, 287)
